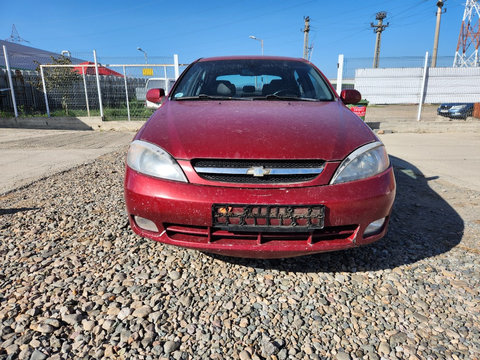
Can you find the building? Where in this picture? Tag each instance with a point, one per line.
(23, 57)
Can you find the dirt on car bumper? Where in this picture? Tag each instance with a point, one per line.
(182, 213)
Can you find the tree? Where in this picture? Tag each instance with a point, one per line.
(59, 81)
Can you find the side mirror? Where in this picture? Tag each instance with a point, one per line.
(350, 96)
(155, 95)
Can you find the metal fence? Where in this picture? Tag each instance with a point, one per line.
(115, 88)
(28, 97)
(118, 95)
(351, 64)
(409, 80)
(347, 67)
(114, 91)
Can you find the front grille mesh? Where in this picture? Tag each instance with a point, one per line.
(267, 164)
(222, 163)
(247, 179)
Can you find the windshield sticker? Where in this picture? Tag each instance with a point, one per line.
(178, 95)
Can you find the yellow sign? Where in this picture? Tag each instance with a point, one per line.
(147, 72)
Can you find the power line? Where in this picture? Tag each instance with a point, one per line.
(407, 10)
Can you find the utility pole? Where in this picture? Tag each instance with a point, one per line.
(437, 32)
(378, 28)
(306, 30)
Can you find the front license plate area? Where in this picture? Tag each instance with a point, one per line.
(268, 218)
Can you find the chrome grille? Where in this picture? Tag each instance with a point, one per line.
(258, 171)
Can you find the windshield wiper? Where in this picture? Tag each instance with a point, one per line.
(285, 98)
(266, 97)
(204, 97)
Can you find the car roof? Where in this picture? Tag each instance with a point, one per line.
(251, 57)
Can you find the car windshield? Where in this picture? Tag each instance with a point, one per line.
(252, 79)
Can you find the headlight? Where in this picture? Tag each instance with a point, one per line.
(366, 161)
(151, 160)
(458, 107)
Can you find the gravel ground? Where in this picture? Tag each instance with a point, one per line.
(75, 282)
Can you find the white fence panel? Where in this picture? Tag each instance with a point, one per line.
(389, 86)
(453, 85)
(403, 85)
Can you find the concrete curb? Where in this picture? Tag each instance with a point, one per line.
(471, 125)
(70, 123)
(462, 126)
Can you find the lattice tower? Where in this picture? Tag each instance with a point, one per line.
(469, 38)
(15, 36)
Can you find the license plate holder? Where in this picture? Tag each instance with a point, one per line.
(268, 218)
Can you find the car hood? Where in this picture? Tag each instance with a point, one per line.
(449, 105)
(256, 130)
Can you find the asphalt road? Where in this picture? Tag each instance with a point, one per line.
(454, 157)
(29, 155)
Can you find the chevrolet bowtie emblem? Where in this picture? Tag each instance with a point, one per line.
(258, 171)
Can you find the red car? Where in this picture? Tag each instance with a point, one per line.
(257, 157)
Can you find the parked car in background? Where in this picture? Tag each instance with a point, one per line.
(257, 157)
(456, 110)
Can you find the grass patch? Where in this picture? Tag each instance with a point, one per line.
(138, 112)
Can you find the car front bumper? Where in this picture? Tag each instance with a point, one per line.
(182, 213)
(454, 113)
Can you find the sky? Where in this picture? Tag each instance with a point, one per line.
(194, 29)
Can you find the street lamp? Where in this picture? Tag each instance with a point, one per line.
(144, 54)
(255, 38)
